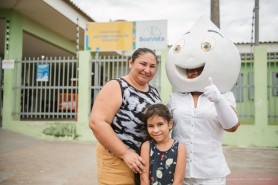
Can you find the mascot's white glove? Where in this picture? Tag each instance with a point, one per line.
(226, 114)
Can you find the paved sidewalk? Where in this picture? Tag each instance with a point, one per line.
(252, 166)
(29, 161)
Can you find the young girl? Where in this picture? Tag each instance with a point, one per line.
(165, 157)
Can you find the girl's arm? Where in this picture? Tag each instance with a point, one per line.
(181, 165)
(145, 154)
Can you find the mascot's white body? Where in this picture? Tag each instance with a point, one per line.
(202, 118)
(204, 45)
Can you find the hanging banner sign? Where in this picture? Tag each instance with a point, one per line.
(124, 35)
(109, 36)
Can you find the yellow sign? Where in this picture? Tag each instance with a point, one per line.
(110, 36)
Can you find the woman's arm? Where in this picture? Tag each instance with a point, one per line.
(145, 154)
(103, 111)
(102, 114)
(234, 128)
(180, 166)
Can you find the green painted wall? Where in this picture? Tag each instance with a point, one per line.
(13, 52)
(84, 94)
(166, 88)
(260, 133)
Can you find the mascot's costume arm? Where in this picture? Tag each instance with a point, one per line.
(226, 114)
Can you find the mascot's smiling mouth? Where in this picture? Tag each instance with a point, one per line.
(190, 72)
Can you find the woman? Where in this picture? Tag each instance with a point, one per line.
(202, 111)
(116, 120)
(201, 119)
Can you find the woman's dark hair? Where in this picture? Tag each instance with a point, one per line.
(140, 51)
(159, 109)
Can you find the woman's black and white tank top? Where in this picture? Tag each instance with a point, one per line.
(127, 122)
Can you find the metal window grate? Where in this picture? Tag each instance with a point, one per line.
(52, 96)
(272, 87)
(244, 90)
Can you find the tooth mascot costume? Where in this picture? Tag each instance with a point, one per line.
(203, 106)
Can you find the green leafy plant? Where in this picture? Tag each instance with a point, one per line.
(61, 130)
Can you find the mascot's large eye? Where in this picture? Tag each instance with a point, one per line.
(206, 46)
(177, 48)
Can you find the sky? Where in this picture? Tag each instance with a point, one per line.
(235, 15)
